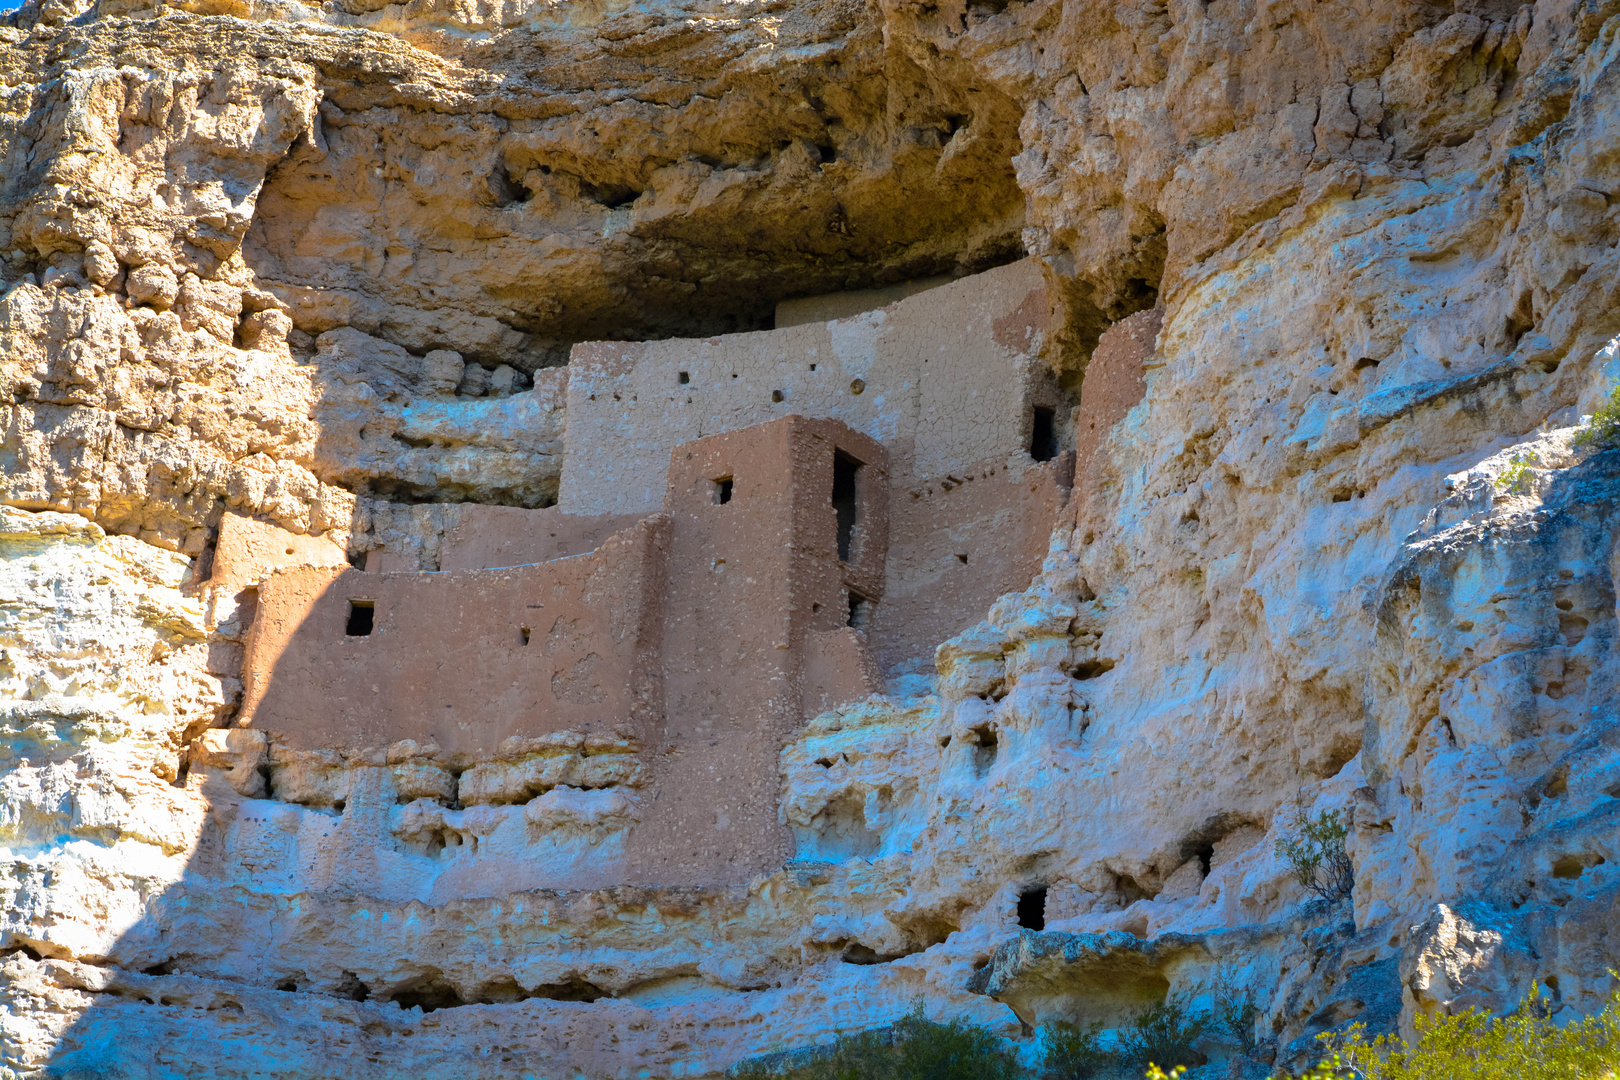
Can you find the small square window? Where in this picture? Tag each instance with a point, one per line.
(362, 618)
(722, 490)
(686, 378)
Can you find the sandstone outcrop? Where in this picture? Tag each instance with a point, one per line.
(1328, 292)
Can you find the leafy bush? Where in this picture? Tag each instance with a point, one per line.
(1072, 1052)
(1516, 476)
(913, 1048)
(1525, 1045)
(1603, 430)
(1163, 1034)
(1315, 852)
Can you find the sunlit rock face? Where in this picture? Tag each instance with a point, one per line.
(1331, 289)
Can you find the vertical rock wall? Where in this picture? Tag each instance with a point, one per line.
(1342, 553)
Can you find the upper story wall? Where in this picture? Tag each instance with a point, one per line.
(944, 379)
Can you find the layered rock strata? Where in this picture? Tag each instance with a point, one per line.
(1333, 288)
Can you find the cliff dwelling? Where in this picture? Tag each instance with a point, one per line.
(751, 530)
(702, 541)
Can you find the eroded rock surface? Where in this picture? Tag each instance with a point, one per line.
(1332, 544)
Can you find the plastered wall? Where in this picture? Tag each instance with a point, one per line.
(962, 540)
(701, 636)
(448, 661)
(755, 585)
(943, 379)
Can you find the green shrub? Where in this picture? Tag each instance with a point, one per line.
(1473, 1045)
(913, 1048)
(1163, 1034)
(1515, 477)
(1314, 849)
(1603, 430)
(1072, 1052)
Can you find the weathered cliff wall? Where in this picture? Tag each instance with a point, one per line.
(319, 266)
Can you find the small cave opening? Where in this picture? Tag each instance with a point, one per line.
(362, 618)
(428, 994)
(572, 989)
(845, 475)
(350, 986)
(1090, 669)
(1127, 890)
(863, 955)
(1043, 434)
(1204, 853)
(1032, 908)
(1571, 867)
(506, 189)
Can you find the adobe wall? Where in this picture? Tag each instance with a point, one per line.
(245, 551)
(841, 305)
(943, 379)
(447, 662)
(750, 582)
(961, 541)
(490, 536)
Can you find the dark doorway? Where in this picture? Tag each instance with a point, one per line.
(843, 500)
(1043, 434)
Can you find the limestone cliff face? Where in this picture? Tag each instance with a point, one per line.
(322, 267)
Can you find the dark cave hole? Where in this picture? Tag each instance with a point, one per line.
(865, 956)
(1090, 669)
(427, 995)
(1204, 853)
(722, 490)
(507, 189)
(611, 196)
(1032, 908)
(575, 989)
(352, 988)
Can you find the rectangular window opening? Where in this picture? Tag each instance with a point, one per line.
(860, 611)
(722, 491)
(686, 378)
(362, 617)
(845, 469)
(1043, 434)
(523, 634)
